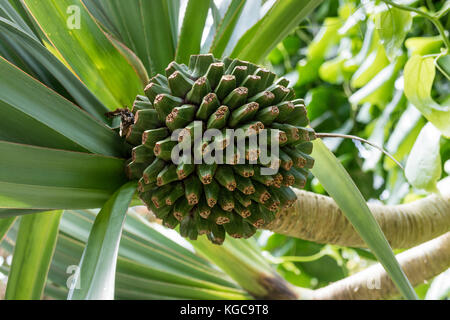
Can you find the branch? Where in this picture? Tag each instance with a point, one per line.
(318, 218)
(420, 263)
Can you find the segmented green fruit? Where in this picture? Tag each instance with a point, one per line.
(215, 199)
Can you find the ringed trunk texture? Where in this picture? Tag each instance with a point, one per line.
(317, 218)
(420, 263)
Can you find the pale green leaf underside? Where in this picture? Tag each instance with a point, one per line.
(84, 46)
(418, 80)
(34, 114)
(282, 17)
(226, 27)
(423, 168)
(144, 27)
(149, 265)
(340, 186)
(98, 263)
(39, 178)
(32, 255)
(392, 25)
(85, 98)
(192, 30)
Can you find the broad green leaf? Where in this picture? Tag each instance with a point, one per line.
(40, 178)
(402, 138)
(335, 71)
(81, 94)
(34, 114)
(191, 32)
(340, 186)
(226, 27)
(144, 27)
(326, 38)
(370, 42)
(5, 225)
(424, 45)
(423, 168)
(97, 268)
(418, 80)
(382, 128)
(331, 70)
(81, 43)
(32, 256)
(380, 88)
(308, 70)
(392, 25)
(319, 100)
(278, 22)
(322, 264)
(370, 67)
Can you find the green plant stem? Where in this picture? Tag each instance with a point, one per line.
(433, 19)
(310, 258)
(430, 5)
(444, 10)
(346, 136)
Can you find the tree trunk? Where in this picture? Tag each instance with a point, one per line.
(317, 218)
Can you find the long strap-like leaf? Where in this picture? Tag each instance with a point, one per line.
(146, 27)
(40, 178)
(226, 27)
(340, 186)
(85, 98)
(192, 29)
(281, 19)
(96, 276)
(5, 225)
(78, 40)
(150, 265)
(33, 253)
(34, 114)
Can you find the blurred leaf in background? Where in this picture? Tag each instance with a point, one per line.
(375, 71)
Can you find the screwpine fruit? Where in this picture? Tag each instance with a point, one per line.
(232, 197)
